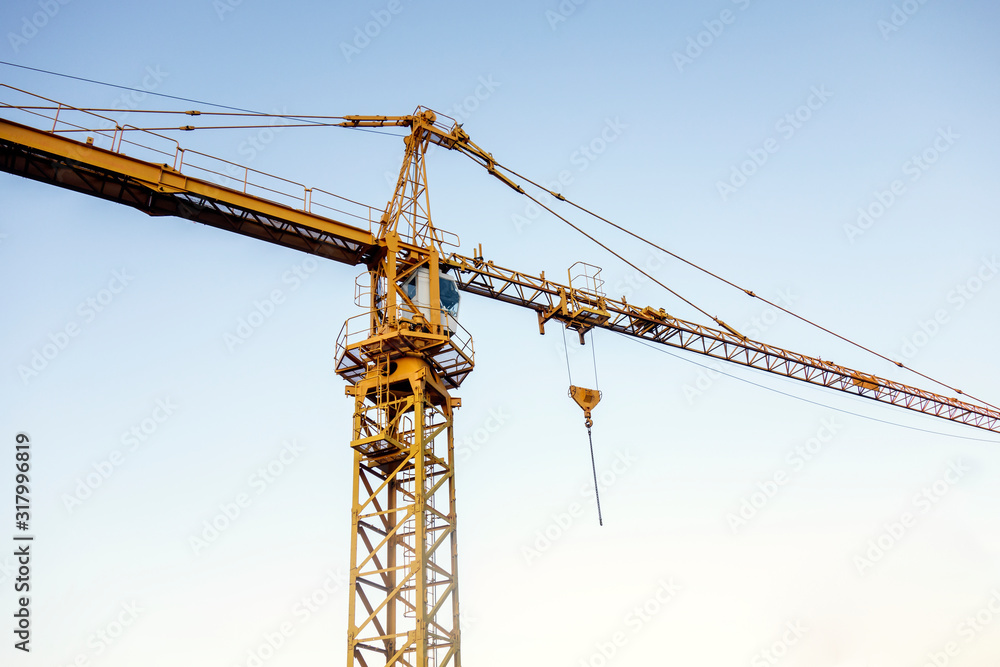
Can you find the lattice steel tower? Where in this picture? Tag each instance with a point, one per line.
(402, 358)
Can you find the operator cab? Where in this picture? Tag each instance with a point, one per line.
(417, 288)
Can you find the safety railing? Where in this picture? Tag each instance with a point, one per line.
(107, 133)
(356, 330)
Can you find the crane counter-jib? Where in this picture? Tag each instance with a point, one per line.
(245, 202)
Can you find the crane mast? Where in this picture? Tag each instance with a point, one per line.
(404, 355)
(400, 364)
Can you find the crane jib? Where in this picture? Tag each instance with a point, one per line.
(162, 189)
(539, 294)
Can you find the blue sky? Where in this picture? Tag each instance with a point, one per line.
(749, 137)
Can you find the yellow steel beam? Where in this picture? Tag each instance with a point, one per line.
(159, 189)
(549, 299)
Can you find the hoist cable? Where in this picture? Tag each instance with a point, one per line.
(593, 354)
(593, 465)
(590, 437)
(566, 350)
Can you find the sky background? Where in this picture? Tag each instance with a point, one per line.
(692, 91)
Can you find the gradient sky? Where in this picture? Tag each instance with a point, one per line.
(840, 98)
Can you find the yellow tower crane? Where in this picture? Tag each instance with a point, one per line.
(404, 356)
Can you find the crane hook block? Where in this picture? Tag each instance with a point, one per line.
(587, 399)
